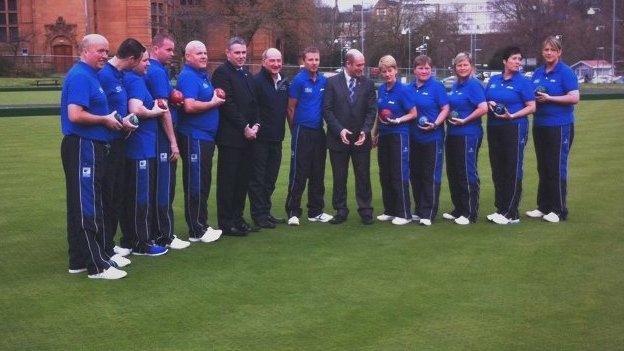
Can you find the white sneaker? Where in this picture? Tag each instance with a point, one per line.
(122, 251)
(209, 236)
(426, 222)
(400, 221)
(323, 217)
(500, 219)
(384, 217)
(415, 218)
(535, 213)
(551, 217)
(294, 220)
(110, 274)
(491, 216)
(448, 216)
(178, 244)
(461, 220)
(120, 261)
(76, 271)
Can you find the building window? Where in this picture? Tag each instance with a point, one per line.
(8, 21)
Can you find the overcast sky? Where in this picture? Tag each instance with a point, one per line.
(347, 4)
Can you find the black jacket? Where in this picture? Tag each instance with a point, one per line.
(272, 106)
(339, 113)
(240, 107)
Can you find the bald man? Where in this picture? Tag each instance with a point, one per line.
(88, 127)
(197, 130)
(272, 93)
(349, 109)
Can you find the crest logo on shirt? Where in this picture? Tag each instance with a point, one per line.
(163, 157)
(391, 102)
(101, 90)
(86, 172)
(118, 89)
(425, 93)
(193, 157)
(536, 81)
(308, 90)
(553, 81)
(143, 164)
(493, 86)
(205, 85)
(509, 87)
(322, 89)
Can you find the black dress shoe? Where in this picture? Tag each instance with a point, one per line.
(235, 231)
(249, 228)
(265, 223)
(367, 220)
(337, 219)
(276, 220)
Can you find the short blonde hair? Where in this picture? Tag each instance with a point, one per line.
(387, 62)
(552, 41)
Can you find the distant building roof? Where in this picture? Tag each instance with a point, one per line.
(593, 63)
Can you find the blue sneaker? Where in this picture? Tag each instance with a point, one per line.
(152, 250)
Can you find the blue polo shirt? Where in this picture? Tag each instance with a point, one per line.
(464, 98)
(82, 87)
(141, 144)
(111, 80)
(158, 84)
(560, 81)
(397, 100)
(194, 84)
(512, 92)
(309, 95)
(429, 100)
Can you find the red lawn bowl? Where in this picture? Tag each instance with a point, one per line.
(385, 115)
(220, 93)
(176, 97)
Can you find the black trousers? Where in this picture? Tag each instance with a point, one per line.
(340, 171)
(84, 163)
(552, 149)
(115, 192)
(426, 161)
(233, 172)
(266, 158)
(165, 192)
(462, 152)
(506, 147)
(394, 170)
(139, 208)
(307, 165)
(196, 175)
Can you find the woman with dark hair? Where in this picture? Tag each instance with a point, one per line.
(427, 140)
(511, 99)
(467, 100)
(556, 92)
(391, 132)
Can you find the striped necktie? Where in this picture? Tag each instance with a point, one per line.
(351, 89)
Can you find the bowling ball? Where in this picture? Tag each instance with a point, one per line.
(454, 114)
(499, 109)
(422, 121)
(176, 97)
(540, 89)
(385, 115)
(220, 93)
(134, 119)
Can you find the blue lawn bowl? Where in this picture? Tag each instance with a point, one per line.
(540, 89)
(134, 120)
(422, 121)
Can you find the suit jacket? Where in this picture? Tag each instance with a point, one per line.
(339, 113)
(240, 108)
(272, 104)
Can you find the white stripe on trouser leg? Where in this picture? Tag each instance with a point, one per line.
(199, 164)
(84, 230)
(435, 166)
(559, 161)
(513, 197)
(405, 214)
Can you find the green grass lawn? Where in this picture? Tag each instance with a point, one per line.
(29, 97)
(532, 286)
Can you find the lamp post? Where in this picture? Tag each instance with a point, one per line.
(593, 11)
(424, 43)
(408, 31)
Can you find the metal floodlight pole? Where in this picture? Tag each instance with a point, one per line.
(613, 41)
(362, 24)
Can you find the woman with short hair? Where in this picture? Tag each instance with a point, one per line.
(427, 140)
(463, 140)
(395, 111)
(511, 99)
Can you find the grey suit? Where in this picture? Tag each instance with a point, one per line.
(356, 116)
